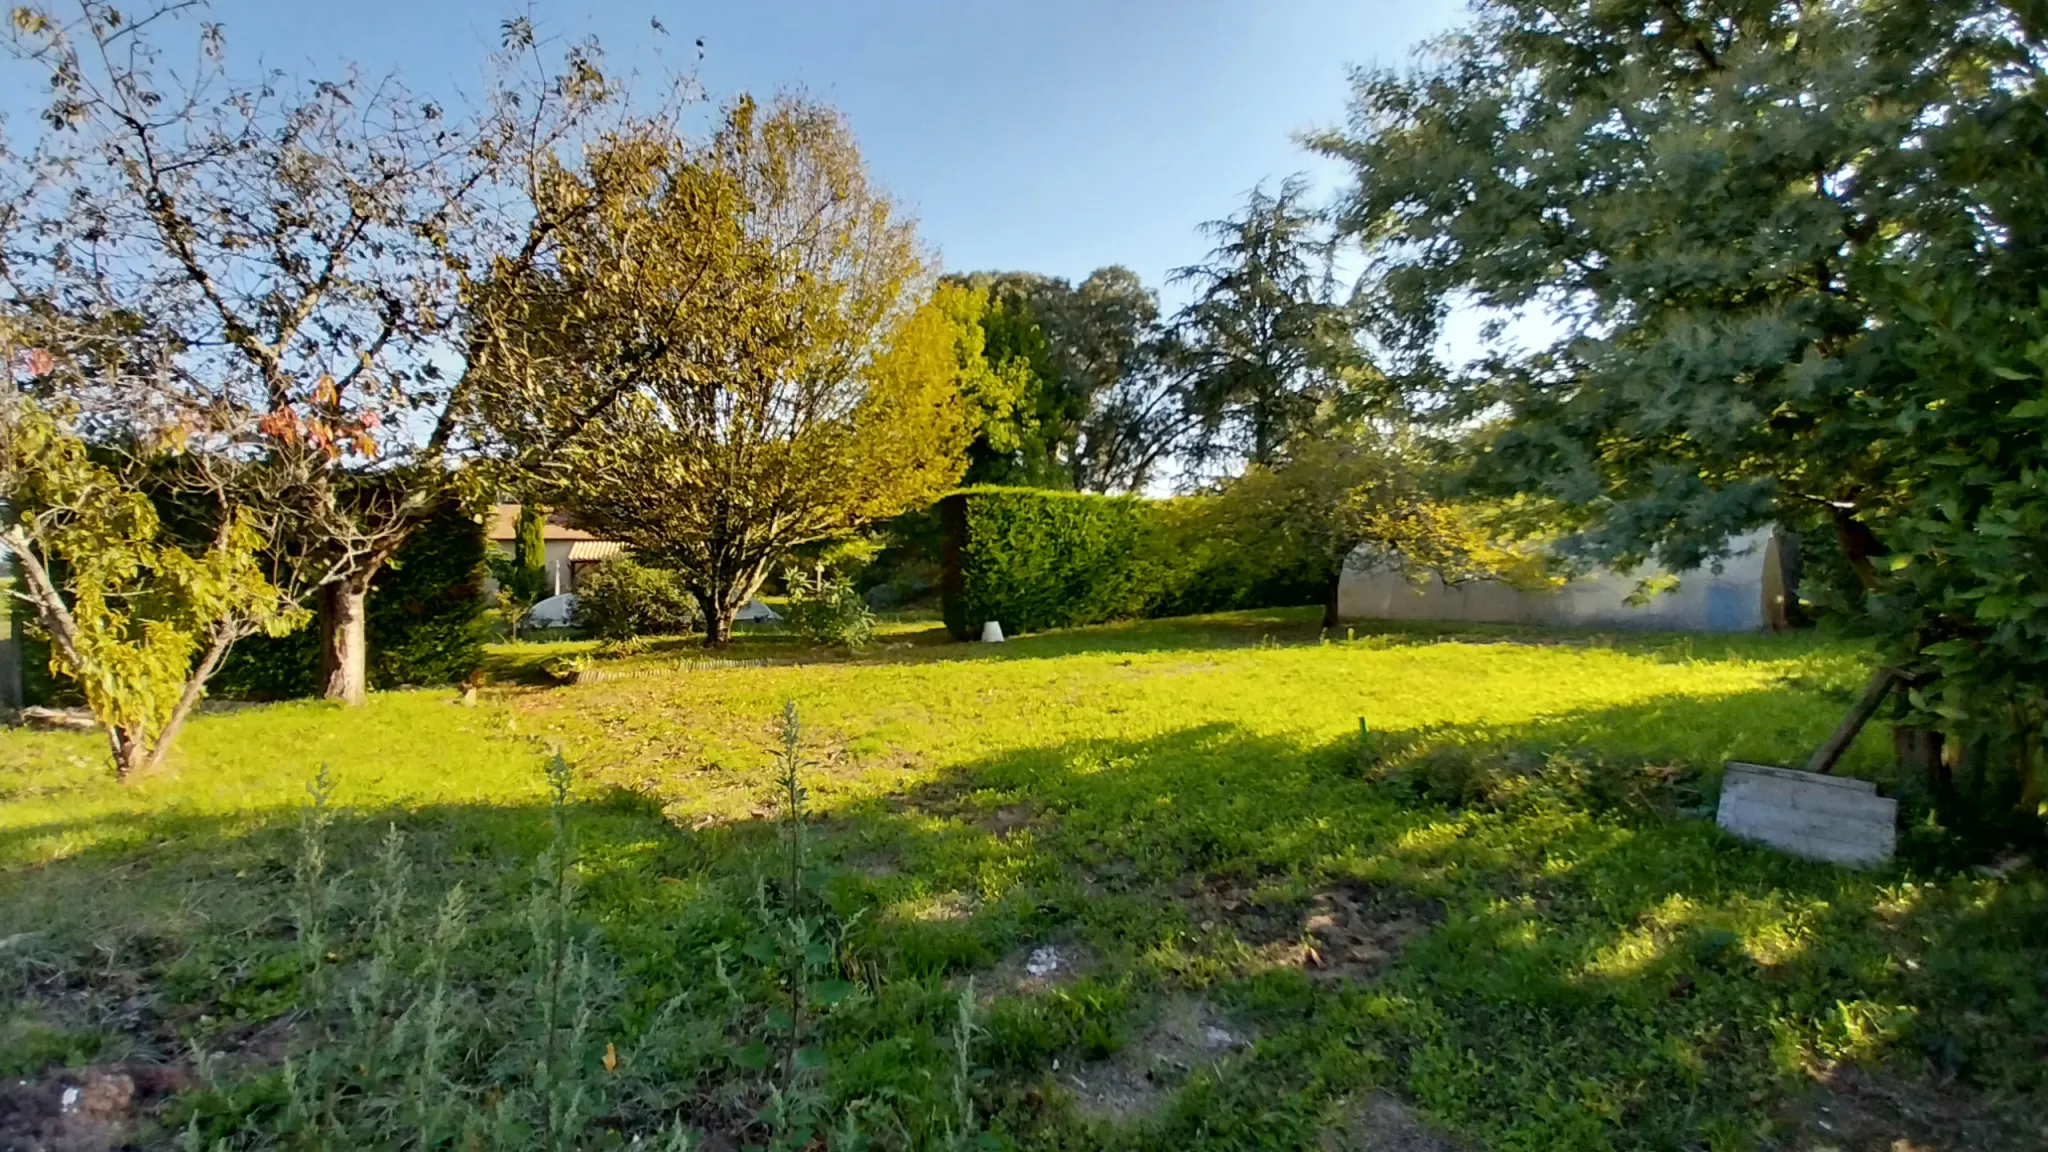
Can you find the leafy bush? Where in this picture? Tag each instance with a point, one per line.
(622, 598)
(829, 612)
(1036, 559)
(567, 669)
(621, 649)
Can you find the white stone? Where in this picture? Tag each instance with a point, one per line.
(992, 632)
(1808, 814)
(553, 612)
(1042, 962)
(756, 612)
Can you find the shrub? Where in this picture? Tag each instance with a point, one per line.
(1036, 559)
(622, 598)
(830, 612)
(567, 669)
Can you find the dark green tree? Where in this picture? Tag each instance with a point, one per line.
(1794, 254)
(522, 577)
(1263, 345)
(530, 538)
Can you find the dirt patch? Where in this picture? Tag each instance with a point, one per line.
(1006, 821)
(1036, 968)
(1349, 930)
(94, 1110)
(875, 865)
(1854, 1110)
(1188, 1037)
(1382, 1123)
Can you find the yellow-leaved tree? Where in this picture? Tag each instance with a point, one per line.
(736, 345)
(137, 618)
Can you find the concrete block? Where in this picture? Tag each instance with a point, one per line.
(1810, 815)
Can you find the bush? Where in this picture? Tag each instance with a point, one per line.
(622, 598)
(426, 622)
(828, 612)
(1035, 559)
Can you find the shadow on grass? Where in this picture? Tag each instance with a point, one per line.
(1601, 973)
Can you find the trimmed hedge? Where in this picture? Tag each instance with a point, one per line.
(1035, 559)
(425, 622)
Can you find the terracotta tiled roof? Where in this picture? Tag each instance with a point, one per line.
(505, 525)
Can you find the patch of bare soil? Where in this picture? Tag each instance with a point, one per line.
(1006, 821)
(93, 1110)
(1188, 1037)
(876, 865)
(1036, 968)
(1349, 930)
(1855, 1110)
(1382, 1123)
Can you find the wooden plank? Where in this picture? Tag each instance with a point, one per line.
(1815, 838)
(1824, 757)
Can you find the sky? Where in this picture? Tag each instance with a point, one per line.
(1052, 136)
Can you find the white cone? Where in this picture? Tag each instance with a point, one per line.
(992, 632)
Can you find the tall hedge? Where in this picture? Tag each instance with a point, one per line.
(1035, 559)
(426, 622)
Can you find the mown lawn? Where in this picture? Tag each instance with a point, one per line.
(1198, 907)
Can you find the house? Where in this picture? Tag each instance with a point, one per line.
(569, 550)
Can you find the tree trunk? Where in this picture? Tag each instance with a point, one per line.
(344, 644)
(131, 755)
(1919, 750)
(195, 687)
(1331, 617)
(718, 622)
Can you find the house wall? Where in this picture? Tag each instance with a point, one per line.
(1747, 595)
(555, 560)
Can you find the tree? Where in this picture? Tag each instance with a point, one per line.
(742, 321)
(522, 576)
(1025, 436)
(279, 266)
(139, 621)
(1357, 499)
(1109, 338)
(1000, 398)
(1095, 411)
(1793, 253)
(1262, 345)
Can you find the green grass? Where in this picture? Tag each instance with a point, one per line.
(1556, 954)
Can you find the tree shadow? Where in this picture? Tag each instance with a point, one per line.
(1597, 969)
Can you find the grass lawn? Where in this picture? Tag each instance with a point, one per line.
(1142, 886)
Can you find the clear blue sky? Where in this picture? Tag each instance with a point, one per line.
(1052, 136)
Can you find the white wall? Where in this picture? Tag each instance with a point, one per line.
(555, 555)
(1747, 595)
